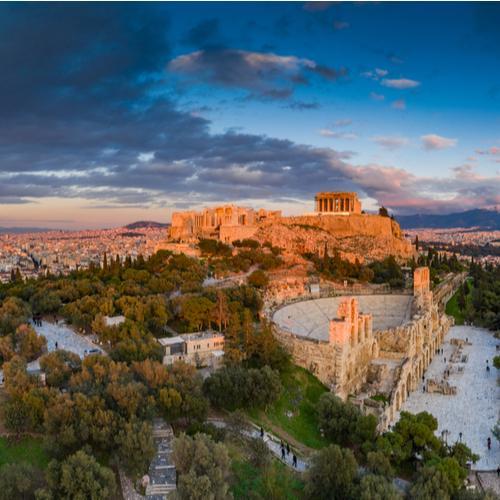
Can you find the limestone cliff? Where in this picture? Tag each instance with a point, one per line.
(366, 237)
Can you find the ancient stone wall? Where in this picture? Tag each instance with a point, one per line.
(342, 362)
(390, 362)
(346, 230)
(225, 222)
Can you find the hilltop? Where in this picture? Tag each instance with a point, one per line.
(365, 237)
(142, 224)
(480, 218)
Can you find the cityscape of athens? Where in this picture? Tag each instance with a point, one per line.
(250, 250)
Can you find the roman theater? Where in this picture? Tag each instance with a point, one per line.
(372, 348)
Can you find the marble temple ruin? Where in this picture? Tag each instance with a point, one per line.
(226, 223)
(338, 203)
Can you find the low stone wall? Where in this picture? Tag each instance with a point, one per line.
(314, 355)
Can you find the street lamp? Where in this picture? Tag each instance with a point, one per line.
(444, 435)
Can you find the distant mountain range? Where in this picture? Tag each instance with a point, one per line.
(147, 224)
(484, 219)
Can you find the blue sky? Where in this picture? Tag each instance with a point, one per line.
(114, 112)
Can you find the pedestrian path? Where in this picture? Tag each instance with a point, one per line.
(272, 442)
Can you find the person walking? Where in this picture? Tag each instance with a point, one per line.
(282, 452)
(489, 443)
(262, 432)
(287, 449)
(294, 461)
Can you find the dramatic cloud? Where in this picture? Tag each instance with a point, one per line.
(391, 142)
(434, 142)
(400, 83)
(263, 73)
(96, 120)
(204, 34)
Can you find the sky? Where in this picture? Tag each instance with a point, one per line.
(116, 112)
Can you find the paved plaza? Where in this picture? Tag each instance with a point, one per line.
(311, 318)
(474, 410)
(66, 339)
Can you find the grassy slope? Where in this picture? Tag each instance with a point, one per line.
(28, 450)
(300, 395)
(452, 308)
(247, 478)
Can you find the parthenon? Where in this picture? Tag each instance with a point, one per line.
(338, 203)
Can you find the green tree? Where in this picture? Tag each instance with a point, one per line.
(16, 416)
(375, 487)
(378, 463)
(58, 367)
(18, 481)
(16, 377)
(136, 447)
(187, 382)
(258, 279)
(417, 435)
(13, 312)
(29, 345)
(331, 474)
(203, 468)
(197, 312)
(431, 484)
(496, 430)
(343, 422)
(79, 476)
(496, 362)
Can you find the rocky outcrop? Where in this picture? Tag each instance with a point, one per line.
(366, 237)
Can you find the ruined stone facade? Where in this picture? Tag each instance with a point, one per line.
(388, 363)
(337, 203)
(226, 223)
(359, 236)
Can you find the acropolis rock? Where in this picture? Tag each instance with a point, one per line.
(337, 225)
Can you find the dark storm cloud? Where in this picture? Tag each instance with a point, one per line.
(84, 112)
(264, 74)
(204, 34)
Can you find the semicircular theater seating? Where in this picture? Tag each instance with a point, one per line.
(310, 318)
